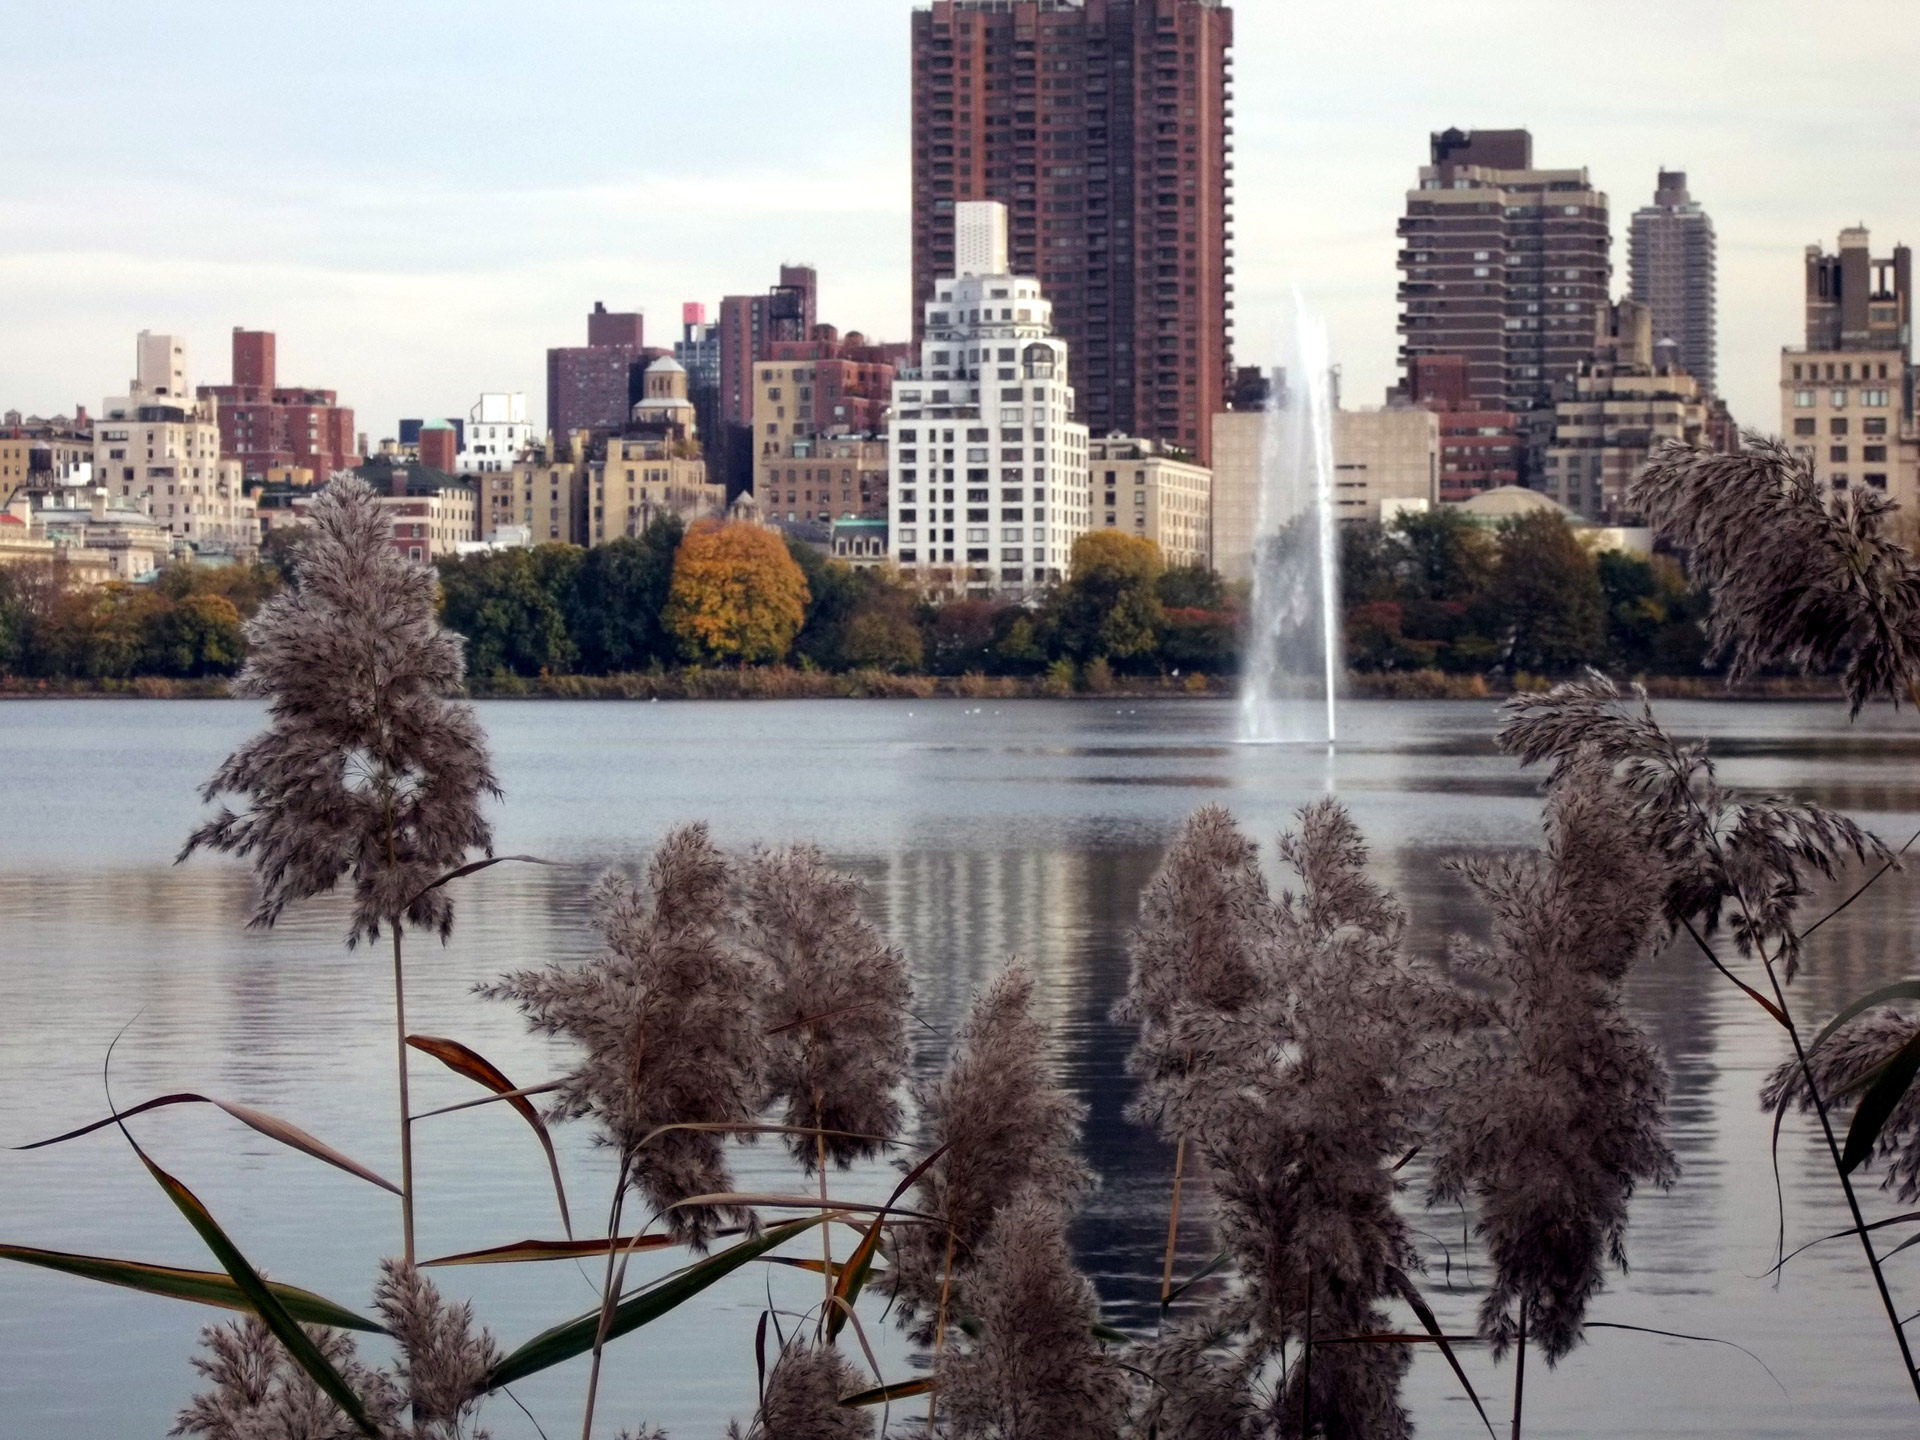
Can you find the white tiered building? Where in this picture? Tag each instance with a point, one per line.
(989, 486)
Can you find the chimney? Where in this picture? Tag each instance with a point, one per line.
(100, 503)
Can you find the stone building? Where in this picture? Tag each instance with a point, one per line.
(1670, 269)
(1141, 488)
(1847, 396)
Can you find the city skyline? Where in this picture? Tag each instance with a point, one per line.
(419, 228)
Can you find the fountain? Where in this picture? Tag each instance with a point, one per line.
(1292, 661)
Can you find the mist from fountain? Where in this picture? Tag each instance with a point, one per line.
(1289, 674)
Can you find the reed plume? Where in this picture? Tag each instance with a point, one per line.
(1799, 577)
(835, 1007)
(1001, 1126)
(1197, 1389)
(1035, 1371)
(365, 770)
(255, 1391)
(1860, 1049)
(667, 1020)
(802, 1399)
(1554, 1121)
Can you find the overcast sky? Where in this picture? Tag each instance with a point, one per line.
(420, 196)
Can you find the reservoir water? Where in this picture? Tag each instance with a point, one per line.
(982, 830)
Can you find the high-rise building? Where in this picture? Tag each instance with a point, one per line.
(1670, 268)
(1621, 406)
(1847, 397)
(989, 482)
(266, 425)
(591, 387)
(749, 325)
(159, 447)
(1105, 128)
(1506, 265)
(1480, 449)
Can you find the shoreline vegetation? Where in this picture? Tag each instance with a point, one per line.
(781, 682)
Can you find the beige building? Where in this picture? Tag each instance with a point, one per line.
(80, 531)
(159, 446)
(585, 494)
(1846, 397)
(42, 455)
(1617, 410)
(1140, 489)
(1385, 461)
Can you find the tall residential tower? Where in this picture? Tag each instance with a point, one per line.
(1104, 127)
(989, 484)
(1506, 265)
(1670, 268)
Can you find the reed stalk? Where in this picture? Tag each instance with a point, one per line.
(1520, 1370)
(606, 1296)
(1173, 1223)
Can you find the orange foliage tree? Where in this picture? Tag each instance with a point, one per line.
(736, 594)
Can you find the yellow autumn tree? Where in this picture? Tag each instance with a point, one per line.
(736, 594)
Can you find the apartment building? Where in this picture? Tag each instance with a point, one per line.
(1617, 410)
(988, 487)
(1385, 461)
(266, 425)
(160, 447)
(1142, 488)
(497, 430)
(1105, 127)
(1671, 270)
(1847, 395)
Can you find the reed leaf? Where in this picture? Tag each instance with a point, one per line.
(522, 1252)
(799, 1202)
(1417, 1302)
(271, 1126)
(885, 1394)
(202, 1287)
(576, 1337)
(1876, 1106)
(264, 1303)
(859, 1266)
(472, 867)
(463, 1060)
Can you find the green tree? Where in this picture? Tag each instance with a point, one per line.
(1370, 557)
(613, 608)
(1109, 606)
(1441, 555)
(1545, 597)
(1191, 587)
(737, 594)
(197, 634)
(510, 606)
(834, 592)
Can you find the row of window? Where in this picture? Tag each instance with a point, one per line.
(1837, 399)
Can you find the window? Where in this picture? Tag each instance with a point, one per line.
(1806, 426)
(1873, 425)
(1802, 399)
(1874, 454)
(1836, 454)
(1838, 399)
(1011, 533)
(977, 535)
(1873, 397)
(907, 535)
(1837, 425)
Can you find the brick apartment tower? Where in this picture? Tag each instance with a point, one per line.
(266, 425)
(591, 386)
(1104, 127)
(1506, 265)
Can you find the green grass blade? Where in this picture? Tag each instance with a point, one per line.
(263, 1301)
(1876, 1106)
(202, 1287)
(576, 1337)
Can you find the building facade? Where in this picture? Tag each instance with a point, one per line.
(1141, 489)
(1385, 461)
(819, 428)
(1616, 411)
(590, 387)
(497, 430)
(1670, 269)
(40, 456)
(1505, 265)
(1105, 127)
(160, 447)
(988, 486)
(264, 424)
(1847, 396)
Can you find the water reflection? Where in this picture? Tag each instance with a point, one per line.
(1027, 831)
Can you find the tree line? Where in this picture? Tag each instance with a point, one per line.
(1432, 591)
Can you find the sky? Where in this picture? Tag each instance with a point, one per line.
(420, 197)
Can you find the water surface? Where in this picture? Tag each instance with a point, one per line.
(983, 830)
